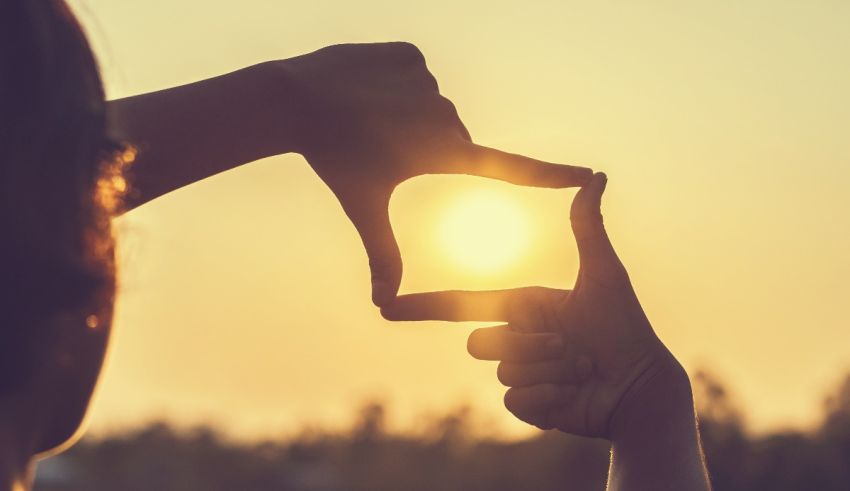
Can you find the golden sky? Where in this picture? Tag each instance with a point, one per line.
(723, 129)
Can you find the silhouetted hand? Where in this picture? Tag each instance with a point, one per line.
(610, 351)
(371, 116)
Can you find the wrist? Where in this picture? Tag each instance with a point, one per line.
(659, 402)
(269, 107)
(655, 442)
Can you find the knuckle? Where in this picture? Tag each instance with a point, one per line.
(588, 219)
(388, 314)
(409, 50)
(444, 110)
(447, 105)
(431, 81)
(537, 293)
(464, 132)
(526, 298)
(378, 266)
(382, 263)
(516, 307)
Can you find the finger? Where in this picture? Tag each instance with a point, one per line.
(451, 111)
(417, 80)
(534, 316)
(572, 371)
(396, 51)
(596, 254)
(372, 221)
(517, 169)
(464, 132)
(504, 343)
(535, 404)
(461, 306)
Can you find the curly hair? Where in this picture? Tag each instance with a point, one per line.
(60, 180)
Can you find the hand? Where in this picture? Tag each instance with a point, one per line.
(611, 354)
(370, 116)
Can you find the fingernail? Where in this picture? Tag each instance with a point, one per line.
(555, 344)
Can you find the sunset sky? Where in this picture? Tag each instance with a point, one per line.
(723, 128)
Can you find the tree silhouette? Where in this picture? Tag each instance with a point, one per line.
(447, 454)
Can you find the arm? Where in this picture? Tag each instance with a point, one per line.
(609, 376)
(366, 117)
(655, 442)
(188, 133)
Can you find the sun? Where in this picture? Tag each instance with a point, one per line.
(484, 231)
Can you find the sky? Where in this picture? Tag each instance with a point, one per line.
(722, 127)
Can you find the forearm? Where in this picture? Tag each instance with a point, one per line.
(187, 133)
(655, 440)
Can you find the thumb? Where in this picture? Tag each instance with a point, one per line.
(370, 216)
(596, 254)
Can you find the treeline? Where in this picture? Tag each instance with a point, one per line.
(448, 457)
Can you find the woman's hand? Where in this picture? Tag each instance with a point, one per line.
(365, 116)
(370, 116)
(610, 377)
(609, 348)
(603, 320)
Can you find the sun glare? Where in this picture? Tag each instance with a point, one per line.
(484, 231)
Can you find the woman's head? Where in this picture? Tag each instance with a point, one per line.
(59, 174)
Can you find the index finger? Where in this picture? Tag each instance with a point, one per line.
(484, 161)
(461, 306)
